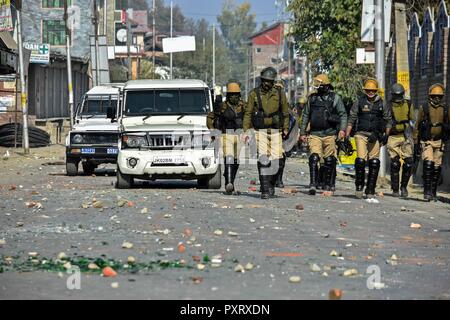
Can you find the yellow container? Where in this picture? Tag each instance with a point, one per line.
(348, 160)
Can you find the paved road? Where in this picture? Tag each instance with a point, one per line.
(278, 239)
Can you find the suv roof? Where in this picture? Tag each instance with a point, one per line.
(165, 84)
(105, 89)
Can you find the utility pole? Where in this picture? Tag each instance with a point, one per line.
(105, 17)
(23, 85)
(69, 66)
(129, 39)
(154, 37)
(171, 35)
(379, 66)
(95, 20)
(289, 71)
(214, 57)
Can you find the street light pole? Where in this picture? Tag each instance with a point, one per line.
(214, 57)
(23, 85)
(171, 35)
(69, 66)
(379, 67)
(154, 37)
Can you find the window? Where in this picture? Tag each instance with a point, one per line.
(121, 5)
(55, 3)
(166, 102)
(54, 32)
(258, 50)
(98, 105)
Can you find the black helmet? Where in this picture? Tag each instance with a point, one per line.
(269, 73)
(345, 146)
(398, 89)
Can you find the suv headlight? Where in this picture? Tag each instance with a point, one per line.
(202, 141)
(132, 141)
(77, 138)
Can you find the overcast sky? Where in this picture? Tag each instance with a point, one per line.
(265, 10)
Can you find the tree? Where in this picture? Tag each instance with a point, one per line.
(328, 33)
(236, 26)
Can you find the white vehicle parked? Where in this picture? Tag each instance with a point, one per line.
(94, 137)
(163, 133)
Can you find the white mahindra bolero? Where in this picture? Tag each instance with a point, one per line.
(163, 133)
(93, 138)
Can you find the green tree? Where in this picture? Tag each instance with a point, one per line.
(236, 26)
(328, 33)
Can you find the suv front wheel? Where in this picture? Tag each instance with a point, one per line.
(211, 182)
(72, 167)
(124, 181)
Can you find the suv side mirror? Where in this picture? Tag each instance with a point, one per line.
(111, 114)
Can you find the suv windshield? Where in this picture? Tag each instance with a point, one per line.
(97, 105)
(166, 102)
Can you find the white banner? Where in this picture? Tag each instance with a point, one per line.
(5, 16)
(178, 44)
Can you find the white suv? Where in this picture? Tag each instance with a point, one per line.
(93, 138)
(163, 133)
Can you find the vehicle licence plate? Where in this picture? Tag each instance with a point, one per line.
(112, 151)
(165, 159)
(88, 150)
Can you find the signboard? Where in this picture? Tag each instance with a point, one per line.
(179, 44)
(5, 16)
(403, 79)
(7, 103)
(364, 57)
(368, 20)
(40, 53)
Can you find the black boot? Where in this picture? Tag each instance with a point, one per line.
(395, 176)
(406, 175)
(228, 174)
(313, 172)
(374, 168)
(321, 177)
(333, 178)
(428, 174)
(330, 168)
(436, 178)
(360, 175)
(279, 183)
(264, 179)
(234, 173)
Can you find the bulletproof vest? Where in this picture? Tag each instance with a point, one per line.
(434, 126)
(400, 115)
(320, 110)
(370, 115)
(232, 116)
(263, 120)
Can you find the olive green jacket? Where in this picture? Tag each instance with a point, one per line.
(214, 115)
(270, 104)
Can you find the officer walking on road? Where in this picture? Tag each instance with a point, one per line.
(372, 120)
(229, 120)
(432, 131)
(400, 143)
(267, 112)
(325, 112)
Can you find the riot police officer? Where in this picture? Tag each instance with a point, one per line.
(228, 119)
(372, 120)
(400, 144)
(325, 112)
(432, 131)
(267, 112)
